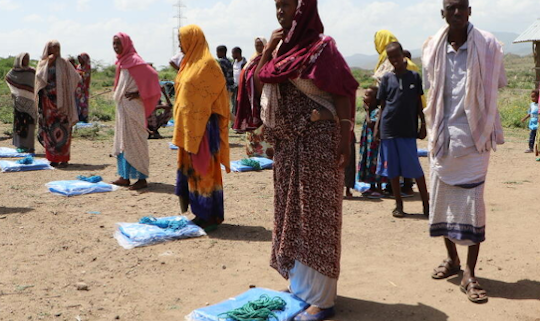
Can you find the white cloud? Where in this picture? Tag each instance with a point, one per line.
(126, 5)
(238, 22)
(83, 5)
(9, 5)
(33, 18)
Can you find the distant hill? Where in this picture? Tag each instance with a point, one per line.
(369, 61)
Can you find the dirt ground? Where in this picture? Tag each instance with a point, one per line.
(49, 243)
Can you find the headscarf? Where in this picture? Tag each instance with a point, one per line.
(382, 39)
(309, 54)
(248, 113)
(200, 92)
(264, 41)
(21, 77)
(145, 76)
(67, 80)
(86, 68)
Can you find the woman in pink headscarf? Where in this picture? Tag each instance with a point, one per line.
(307, 94)
(136, 93)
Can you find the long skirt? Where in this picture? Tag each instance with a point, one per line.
(126, 170)
(199, 183)
(54, 129)
(369, 155)
(24, 125)
(308, 193)
(457, 213)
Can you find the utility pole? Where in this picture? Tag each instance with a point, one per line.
(180, 7)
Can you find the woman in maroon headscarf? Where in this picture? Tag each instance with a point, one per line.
(307, 90)
(83, 90)
(248, 114)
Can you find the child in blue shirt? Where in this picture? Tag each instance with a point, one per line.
(532, 113)
(400, 95)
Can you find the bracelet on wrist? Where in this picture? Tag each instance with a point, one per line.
(347, 121)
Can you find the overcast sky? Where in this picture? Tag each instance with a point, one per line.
(88, 25)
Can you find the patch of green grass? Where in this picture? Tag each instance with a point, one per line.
(363, 76)
(93, 133)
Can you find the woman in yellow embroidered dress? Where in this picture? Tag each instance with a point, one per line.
(201, 115)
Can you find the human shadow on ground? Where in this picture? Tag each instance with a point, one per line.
(15, 210)
(234, 145)
(362, 199)
(350, 309)
(241, 233)
(415, 216)
(520, 290)
(73, 167)
(160, 188)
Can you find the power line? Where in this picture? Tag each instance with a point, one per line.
(179, 16)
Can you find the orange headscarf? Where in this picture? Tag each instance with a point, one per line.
(200, 92)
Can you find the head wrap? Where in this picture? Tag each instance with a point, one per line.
(200, 93)
(145, 76)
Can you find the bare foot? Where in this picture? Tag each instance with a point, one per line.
(121, 182)
(140, 184)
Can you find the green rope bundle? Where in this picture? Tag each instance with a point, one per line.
(258, 310)
(251, 163)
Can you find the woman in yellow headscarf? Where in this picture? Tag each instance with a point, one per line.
(382, 39)
(201, 114)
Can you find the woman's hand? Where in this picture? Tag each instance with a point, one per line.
(422, 133)
(344, 152)
(133, 95)
(51, 59)
(276, 37)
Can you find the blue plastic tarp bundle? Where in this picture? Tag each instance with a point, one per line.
(210, 313)
(78, 187)
(422, 152)
(362, 187)
(130, 235)
(6, 152)
(81, 125)
(237, 166)
(12, 166)
(172, 146)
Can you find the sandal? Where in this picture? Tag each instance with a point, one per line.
(398, 212)
(140, 184)
(63, 165)
(375, 196)
(474, 291)
(323, 315)
(121, 182)
(445, 270)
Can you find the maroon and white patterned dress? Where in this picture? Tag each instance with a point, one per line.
(308, 187)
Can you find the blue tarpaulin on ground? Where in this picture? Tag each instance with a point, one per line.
(12, 166)
(211, 313)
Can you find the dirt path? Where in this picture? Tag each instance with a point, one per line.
(49, 243)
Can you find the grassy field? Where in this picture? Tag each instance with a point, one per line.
(513, 100)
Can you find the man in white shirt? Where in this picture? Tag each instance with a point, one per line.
(458, 61)
(238, 64)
